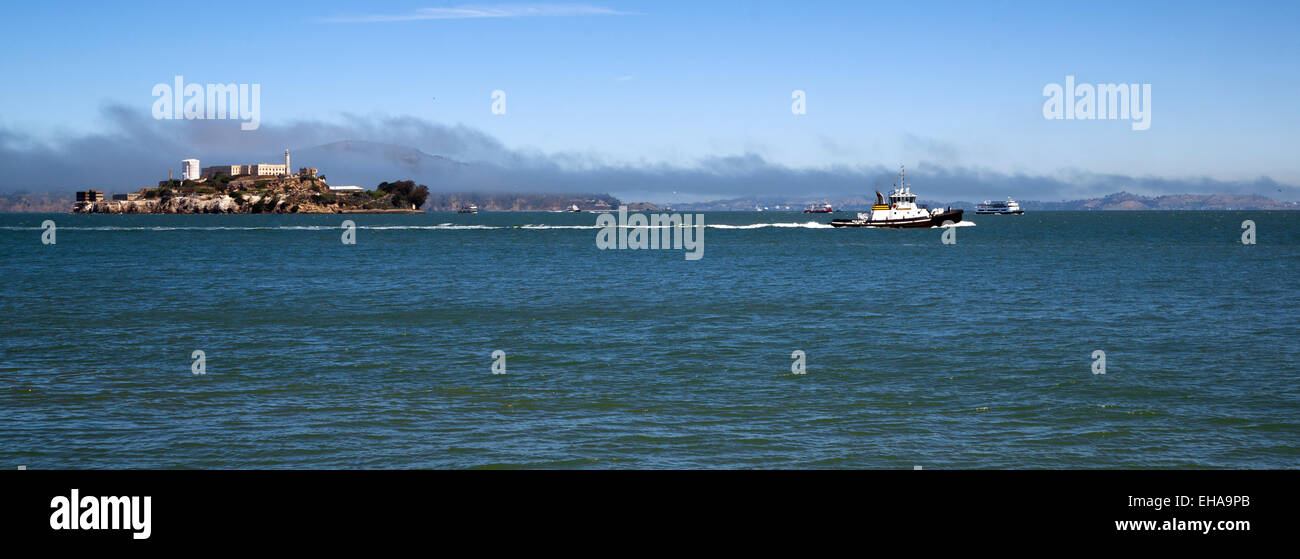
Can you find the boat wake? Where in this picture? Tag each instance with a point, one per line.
(962, 223)
(805, 225)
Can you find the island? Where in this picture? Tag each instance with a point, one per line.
(253, 194)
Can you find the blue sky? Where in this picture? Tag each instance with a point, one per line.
(943, 83)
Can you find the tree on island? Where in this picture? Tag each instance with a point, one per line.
(405, 193)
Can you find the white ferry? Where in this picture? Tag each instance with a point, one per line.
(999, 208)
(901, 211)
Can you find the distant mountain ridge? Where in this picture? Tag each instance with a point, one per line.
(26, 202)
(530, 202)
(1111, 202)
(1129, 201)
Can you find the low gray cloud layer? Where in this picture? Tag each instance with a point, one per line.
(135, 150)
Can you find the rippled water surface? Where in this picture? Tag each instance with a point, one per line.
(379, 354)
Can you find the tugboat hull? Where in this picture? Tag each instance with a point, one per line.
(910, 223)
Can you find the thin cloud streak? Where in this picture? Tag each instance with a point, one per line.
(483, 12)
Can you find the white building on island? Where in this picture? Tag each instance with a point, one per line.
(267, 169)
(256, 169)
(190, 169)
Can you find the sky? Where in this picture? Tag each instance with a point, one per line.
(942, 87)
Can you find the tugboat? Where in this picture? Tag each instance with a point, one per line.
(470, 209)
(825, 209)
(900, 212)
(1010, 207)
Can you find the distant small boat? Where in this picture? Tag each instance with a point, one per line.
(825, 209)
(573, 208)
(470, 209)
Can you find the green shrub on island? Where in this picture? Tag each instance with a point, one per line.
(405, 194)
(324, 199)
(220, 182)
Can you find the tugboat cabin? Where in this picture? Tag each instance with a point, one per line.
(902, 199)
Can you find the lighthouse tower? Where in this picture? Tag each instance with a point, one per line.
(287, 169)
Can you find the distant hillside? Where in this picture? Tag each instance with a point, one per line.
(1127, 201)
(1117, 201)
(39, 202)
(514, 201)
(27, 202)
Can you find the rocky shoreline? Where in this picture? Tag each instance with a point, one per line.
(217, 205)
(291, 195)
